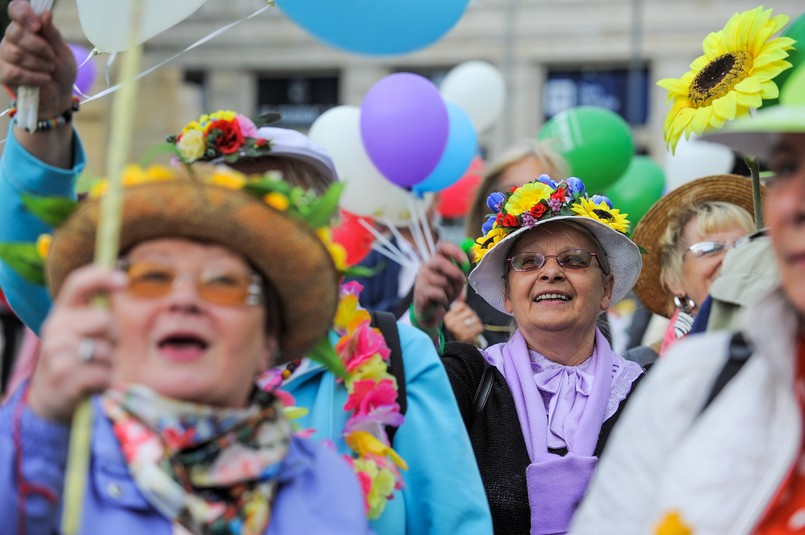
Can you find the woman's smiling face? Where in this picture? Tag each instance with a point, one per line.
(556, 299)
(182, 345)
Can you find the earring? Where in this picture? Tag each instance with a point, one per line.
(684, 303)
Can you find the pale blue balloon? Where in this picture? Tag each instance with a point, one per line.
(461, 148)
(376, 27)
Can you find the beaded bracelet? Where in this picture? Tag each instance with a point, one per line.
(43, 125)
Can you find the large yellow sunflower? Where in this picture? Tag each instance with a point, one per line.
(611, 217)
(735, 74)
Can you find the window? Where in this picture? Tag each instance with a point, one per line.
(608, 88)
(299, 99)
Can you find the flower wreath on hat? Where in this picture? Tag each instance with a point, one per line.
(222, 134)
(360, 357)
(524, 206)
(544, 200)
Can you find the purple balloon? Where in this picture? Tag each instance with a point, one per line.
(85, 76)
(404, 127)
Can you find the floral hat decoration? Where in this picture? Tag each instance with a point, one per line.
(223, 134)
(281, 230)
(735, 74)
(542, 201)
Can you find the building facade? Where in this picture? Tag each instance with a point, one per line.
(552, 54)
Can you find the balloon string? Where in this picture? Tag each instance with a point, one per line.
(426, 228)
(391, 251)
(416, 230)
(400, 239)
(205, 39)
(110, 90)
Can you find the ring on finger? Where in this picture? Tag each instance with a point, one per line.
(86, 349)
(468, 321)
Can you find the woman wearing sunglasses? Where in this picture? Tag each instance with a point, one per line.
(214, 286)
(539, 407)
(686, 236)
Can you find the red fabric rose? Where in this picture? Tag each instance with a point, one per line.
(510, 221)
(538, 210)
(559, 194)
(499, 219)
(230, 138)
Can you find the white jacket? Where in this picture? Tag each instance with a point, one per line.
(719, 469)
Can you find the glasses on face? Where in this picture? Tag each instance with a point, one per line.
(710, 248)
(570, 259)
(149, 279)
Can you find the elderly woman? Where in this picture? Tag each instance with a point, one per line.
(212, 288)
(686, 235)
(539, 407)
(470, 318)
(713, 443)
(424, 424)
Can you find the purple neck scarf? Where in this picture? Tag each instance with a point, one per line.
(556, 484)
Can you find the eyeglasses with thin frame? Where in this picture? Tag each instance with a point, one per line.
(570, 259)
(711, 248)
(149, 280)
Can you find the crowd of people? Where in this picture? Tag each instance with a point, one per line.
(237, 385)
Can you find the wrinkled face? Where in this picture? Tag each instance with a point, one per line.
(182, 345)
(699, 271)
(552, 298)
(784, 211)
(520, 172)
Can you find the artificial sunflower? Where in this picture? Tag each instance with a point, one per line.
(611, 217)
(735, 74)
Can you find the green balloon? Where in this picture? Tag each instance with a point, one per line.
(638, 189)
(596, 142)
(796, 57)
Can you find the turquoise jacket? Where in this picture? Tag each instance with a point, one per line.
(443, 493)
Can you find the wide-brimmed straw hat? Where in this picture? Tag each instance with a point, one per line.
(733, 189)
(542, 202)
(253, 217)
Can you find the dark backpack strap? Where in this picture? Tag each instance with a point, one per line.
(483, 390)
(739, 353)
(386, 322)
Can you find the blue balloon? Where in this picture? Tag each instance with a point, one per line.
(375, 27)
(462, 145)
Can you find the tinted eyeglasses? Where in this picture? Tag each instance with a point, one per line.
(570, 259)
(149, 279)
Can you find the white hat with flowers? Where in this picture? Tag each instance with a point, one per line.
(542, 201)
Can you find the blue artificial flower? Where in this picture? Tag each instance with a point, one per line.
(545, 179)
(575, 186)
(597, 199)
(488, 224)
(494, 201)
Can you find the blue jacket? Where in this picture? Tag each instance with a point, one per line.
(443, 492)
(21, 173)
(317, 493)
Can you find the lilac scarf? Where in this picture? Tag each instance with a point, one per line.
(556, 484)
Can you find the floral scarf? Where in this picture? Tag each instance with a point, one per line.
(208, 470)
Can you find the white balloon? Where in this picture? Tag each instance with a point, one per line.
(106, 23)
(366, 192)
(696, 159)
(478, 88)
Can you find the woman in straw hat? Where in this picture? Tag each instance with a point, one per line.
(686, 235)
(539, 407)
(713, 442)
(441, 463)
(213, 287)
